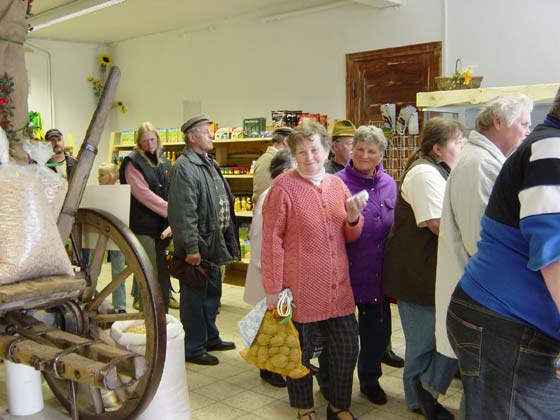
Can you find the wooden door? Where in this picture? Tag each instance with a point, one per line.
(391, 75)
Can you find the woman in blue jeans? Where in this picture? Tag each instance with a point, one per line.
(503, 321)
(409, 271)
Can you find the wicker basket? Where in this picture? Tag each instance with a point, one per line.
(447, 83)
(454, 82)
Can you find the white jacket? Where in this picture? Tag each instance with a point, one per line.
(466, 195)
(254, 291)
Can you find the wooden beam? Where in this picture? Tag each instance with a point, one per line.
(542, 92)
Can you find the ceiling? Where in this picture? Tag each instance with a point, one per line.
(136, 18)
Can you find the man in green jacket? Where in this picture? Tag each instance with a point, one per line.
(201, 216)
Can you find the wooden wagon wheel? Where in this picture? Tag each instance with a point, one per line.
(88, 402)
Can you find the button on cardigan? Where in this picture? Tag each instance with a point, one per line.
(305, 231)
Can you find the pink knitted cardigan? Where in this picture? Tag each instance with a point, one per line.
(304, 236)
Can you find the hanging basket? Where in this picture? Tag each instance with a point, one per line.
(459, 80)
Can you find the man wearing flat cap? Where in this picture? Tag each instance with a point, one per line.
(201, 215)
(61, 162)
(261, 175)
(342, 139)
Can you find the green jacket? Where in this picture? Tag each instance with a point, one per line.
(193, 212)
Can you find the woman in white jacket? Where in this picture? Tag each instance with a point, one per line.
(254, 291)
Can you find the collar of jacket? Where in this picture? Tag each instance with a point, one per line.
(357, 174)
(480, 140)
(147, 159)
(191, 155)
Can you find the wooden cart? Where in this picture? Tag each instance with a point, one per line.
(54, 324)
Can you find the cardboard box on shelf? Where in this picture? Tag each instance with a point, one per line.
(128, 136)
(252, 127)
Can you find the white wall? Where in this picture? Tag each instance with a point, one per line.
(245, 68)
(513, 42)
(58, 88)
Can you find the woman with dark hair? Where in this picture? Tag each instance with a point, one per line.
(409, 270)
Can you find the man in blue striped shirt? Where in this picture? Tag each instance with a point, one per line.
(504, 320)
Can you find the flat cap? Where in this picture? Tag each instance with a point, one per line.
(53, 132)
(283, 131)
(197, 119)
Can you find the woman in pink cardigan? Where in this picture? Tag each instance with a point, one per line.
(307, 223)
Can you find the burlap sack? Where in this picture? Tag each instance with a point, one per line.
(13, 33)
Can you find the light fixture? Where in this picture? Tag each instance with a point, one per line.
(68, 11)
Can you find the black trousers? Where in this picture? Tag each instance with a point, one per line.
(339, 336)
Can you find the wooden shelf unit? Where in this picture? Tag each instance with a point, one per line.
(237, 152)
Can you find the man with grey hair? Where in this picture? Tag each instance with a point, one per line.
(261, 174)
(200, 212)
(501, 125)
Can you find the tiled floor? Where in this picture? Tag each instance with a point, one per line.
(233, 389)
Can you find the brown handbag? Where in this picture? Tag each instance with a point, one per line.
(191, 275)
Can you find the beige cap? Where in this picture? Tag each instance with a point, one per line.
(343, 128)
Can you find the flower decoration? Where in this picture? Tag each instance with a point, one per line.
(120, 105)
(105, 60)
(98, 84)
(461, 78)
(6, 106)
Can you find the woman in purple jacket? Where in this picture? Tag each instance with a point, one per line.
(365, 172)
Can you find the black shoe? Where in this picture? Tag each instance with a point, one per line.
(221, 346)
(325, 392)
(202, 359)
(391, 359)
(273, 379)
(333, 415)
(441, 412)
(429, 407)
(374, 393)
(425, 400)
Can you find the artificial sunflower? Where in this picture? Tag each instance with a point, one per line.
(105, 60)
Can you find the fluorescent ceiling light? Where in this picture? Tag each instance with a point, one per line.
(69, 11)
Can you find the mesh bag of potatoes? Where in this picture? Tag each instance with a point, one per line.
(276, 348)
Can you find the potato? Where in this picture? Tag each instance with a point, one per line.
(262, 355)
(270, 366)
(253, 351)
(263, 339)
(295, 355)
(278, 340)
(297, 373)
(270, 328)
(291, 341)
(283, 350)
(279, 360)
(290, 366)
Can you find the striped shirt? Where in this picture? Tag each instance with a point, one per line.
(521, 235)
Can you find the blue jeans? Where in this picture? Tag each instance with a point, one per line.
(155, 248)
(374, 323)
(198, 308)
(507, 368)
(117, 266)
(421, 358)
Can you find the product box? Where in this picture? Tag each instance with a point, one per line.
(128, 136)
(252, 127)
(174, 135)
